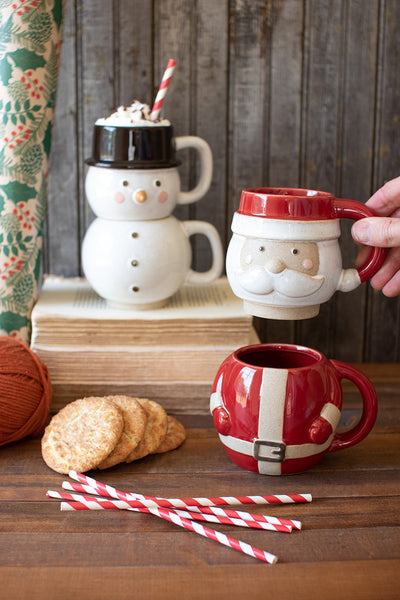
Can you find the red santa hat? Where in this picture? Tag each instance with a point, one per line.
(286, 214)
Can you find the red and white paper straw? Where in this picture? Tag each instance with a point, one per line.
(137, 505)
(246, 516)
(170, 515)
(107, 490)
(208, 510)
(155, 111)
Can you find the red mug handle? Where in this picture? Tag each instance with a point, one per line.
(350, 209)
(370, 407)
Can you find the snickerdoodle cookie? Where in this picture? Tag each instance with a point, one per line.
(82, 434)
(155, 430)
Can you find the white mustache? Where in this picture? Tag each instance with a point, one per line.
(293, 284)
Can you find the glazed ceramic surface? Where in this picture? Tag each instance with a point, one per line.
(276, 407)
(145, 193)
(140, 264)
(284, 258)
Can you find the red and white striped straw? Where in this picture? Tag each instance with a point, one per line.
(162, 92)
(136, 505)
(170, 515)
(107, 490)
(246, 516)
(209, 510)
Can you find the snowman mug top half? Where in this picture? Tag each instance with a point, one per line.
(284, 258)
(133, 172)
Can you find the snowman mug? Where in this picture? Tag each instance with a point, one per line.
(141, 264)
(133, 171)
(284, 258)
(276, 407)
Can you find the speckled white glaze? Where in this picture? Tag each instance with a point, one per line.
(144, 194)
(274, 303)
(140, 264)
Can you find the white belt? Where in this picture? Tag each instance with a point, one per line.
(267, 451)
(272, 451)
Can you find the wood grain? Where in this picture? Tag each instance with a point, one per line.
(302, 581)
(348, 547)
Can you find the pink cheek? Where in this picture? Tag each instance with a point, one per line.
(119, 198)
(308, 263)
(162, 197)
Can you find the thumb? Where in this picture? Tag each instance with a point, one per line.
(383, 232)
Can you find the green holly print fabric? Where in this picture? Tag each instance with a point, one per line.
(30, 38)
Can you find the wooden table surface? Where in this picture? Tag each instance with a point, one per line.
(349, 546)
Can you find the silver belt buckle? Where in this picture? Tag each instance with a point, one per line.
(276, 451)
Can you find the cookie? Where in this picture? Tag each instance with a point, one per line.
(135, 419)
(82, 434)
(155, 431)
(176, 435)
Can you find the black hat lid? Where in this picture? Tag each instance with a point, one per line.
(133, 147)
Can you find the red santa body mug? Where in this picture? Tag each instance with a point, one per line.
(276, 407)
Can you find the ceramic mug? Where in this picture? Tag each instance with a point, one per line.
(133, 172)
(276, 407)
(140, 264)
(284, 258)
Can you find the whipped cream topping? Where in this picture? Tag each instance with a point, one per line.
(137, 113)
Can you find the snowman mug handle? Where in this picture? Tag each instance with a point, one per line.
(204, 228)
(206, 167)
(351, 278)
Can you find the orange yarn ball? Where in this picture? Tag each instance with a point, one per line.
(25, 391)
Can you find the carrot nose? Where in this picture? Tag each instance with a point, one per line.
(141, 196)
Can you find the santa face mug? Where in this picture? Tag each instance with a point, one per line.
(284, 258)
(276, 407)
(133, 172)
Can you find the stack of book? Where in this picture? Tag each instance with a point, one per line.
(170, 355)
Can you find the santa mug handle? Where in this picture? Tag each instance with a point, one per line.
(370, 407)
(350, 209)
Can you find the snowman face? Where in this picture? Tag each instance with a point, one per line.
(275, 256)
(132, 194)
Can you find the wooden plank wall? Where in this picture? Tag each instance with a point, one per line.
(286, 92)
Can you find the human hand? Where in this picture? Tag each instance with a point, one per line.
(382, 231)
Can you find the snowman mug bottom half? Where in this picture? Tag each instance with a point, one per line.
(141, 264)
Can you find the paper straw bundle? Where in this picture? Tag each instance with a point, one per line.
(29, 57)
(105, 497)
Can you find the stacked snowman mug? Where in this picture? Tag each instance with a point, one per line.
(277, 407)
(136, 254)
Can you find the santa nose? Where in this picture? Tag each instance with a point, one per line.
(275, 265)
(140, 196)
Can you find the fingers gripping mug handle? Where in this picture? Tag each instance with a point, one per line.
(195, 277)
(350, 209)
(370, 407)
(206, 167)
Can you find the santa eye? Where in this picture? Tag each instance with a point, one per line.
(125, 183)
(157, 183)
(294, 251)
(261, 249)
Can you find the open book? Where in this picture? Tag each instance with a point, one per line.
(69, 312)
(170, 355)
